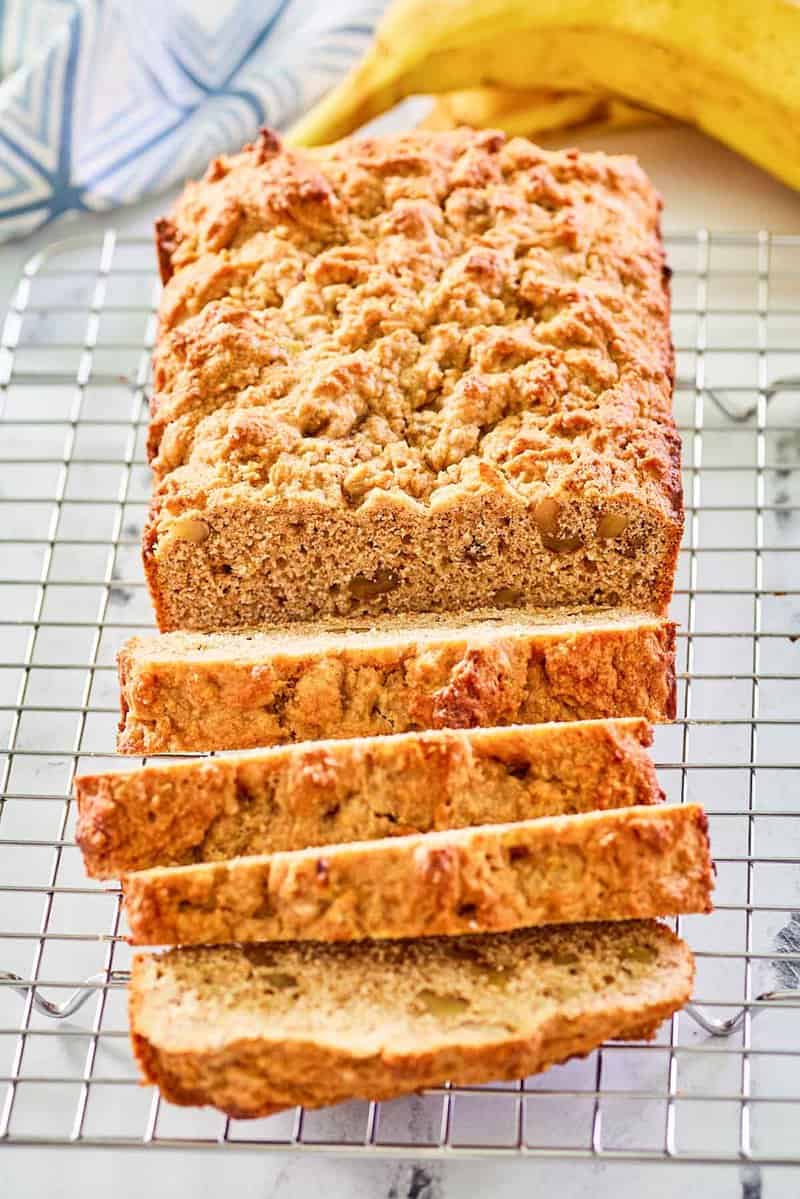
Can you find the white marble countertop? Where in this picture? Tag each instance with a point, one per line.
(703, 184)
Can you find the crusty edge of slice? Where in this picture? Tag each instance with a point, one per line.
(625, 863)
(170, 814)
(475, 691)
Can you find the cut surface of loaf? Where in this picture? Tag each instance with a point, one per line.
(427, 372)
(252, 1029)
(193, 692)
(614, 865)
(319, 793)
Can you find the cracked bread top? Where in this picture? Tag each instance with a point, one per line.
(411, 317)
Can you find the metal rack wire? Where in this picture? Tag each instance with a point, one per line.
(74, 364)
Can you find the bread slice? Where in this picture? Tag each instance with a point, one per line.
(615, 865)
(255, 1028)
(319, 793)
(188, 692)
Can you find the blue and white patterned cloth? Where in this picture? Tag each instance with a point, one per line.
(105, 101)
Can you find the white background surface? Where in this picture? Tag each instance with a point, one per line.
(703, 184)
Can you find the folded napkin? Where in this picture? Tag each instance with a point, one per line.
(105, 101)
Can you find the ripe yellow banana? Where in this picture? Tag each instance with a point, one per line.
(534, 112)
(731, 67)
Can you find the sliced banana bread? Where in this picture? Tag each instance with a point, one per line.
(252, 1029)
(614, 865)
(318, 793)
(186, 692)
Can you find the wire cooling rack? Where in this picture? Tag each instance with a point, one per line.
(74, 368)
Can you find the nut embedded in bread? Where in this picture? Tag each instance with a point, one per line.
(252, 1029)
(429, 372)
(323, 792)
(627, 863)
(189, 691)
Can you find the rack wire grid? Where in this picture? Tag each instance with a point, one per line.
(74, 487)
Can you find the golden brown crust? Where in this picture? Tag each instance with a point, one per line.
(406, 375)
(167, 241)
(518, 1003)
(190, 692)
(321, 793)
(628, 863)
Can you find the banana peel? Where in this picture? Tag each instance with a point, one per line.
(534, 112)
(729, 67)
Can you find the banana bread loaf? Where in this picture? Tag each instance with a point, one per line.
(252, 1029)
(613, 865)
(430, 372)
(193, 692)
(319, 793)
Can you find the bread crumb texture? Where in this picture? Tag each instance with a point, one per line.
(255, 1028)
